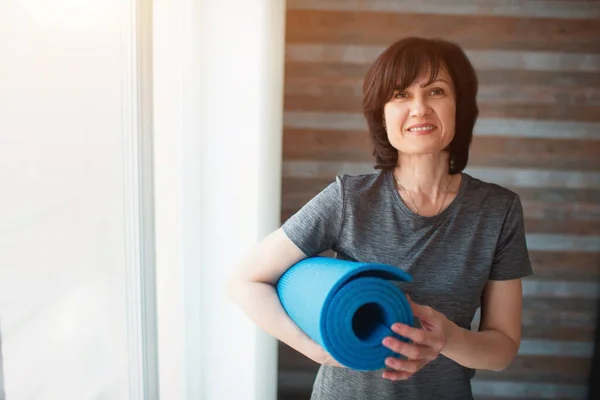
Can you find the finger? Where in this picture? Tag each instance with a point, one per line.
(411, 351)
(396, 375)
(422, 312)
(404, 365)
(418, 336)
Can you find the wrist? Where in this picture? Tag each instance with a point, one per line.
(453, 336)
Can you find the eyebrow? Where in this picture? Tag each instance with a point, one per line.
(399, 87)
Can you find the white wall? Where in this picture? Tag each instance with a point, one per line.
(218, 106)
(63, 132)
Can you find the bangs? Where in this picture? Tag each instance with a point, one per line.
(411, 63)
(415, 61)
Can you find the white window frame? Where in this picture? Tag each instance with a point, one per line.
(138, 199)
(206, 78)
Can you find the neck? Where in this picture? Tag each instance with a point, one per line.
(425, 175)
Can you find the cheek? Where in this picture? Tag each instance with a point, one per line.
(448, 116)
(396, 114)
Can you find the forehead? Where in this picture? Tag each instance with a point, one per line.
(426, 77)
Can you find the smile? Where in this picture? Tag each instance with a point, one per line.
(425, 128)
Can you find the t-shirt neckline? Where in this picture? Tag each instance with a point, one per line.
(461, 190)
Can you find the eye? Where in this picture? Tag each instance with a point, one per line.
(400, 95)
(437, 91)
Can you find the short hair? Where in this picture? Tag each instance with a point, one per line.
(399, 65)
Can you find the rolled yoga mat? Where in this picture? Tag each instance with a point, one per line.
(346, 307)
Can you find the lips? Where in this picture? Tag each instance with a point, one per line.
(421, 128)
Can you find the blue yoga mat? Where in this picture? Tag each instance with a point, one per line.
(346, 307)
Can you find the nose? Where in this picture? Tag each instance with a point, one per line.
(419, 107)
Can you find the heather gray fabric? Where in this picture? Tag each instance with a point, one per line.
(451, 256)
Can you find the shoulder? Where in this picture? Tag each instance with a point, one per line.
(345, 189)
(490, 198)
(489, 192)
(358, 185)
(365, 194)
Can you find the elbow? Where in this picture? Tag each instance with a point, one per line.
(512, 349)
(237, 286)
(503, 362)
(503, 365)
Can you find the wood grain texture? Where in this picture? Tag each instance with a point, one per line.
(319, 71)
(471, 31)
(482, 59)
(540, 8)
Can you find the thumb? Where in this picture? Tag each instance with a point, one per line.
(424, 313)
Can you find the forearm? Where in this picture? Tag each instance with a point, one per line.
(260, 303)
(488, 350)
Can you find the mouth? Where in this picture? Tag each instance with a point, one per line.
(421, 129)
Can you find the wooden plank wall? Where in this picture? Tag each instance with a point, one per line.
(538, 134)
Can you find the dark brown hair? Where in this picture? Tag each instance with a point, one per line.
(402, 63)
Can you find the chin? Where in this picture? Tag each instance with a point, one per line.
(418, 150)
(421, 147)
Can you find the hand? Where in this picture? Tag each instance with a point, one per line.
(426, 345)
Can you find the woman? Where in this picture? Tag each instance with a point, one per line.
(460, 238)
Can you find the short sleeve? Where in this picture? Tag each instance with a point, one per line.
(316, 226)
(511, 257)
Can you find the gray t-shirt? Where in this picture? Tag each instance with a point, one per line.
(478, 237)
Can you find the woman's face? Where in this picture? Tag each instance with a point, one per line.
(421, 118)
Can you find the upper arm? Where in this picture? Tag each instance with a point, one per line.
(501, 308)
(311, 230)
(269, 259)
(502, 299)
(511, 257)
